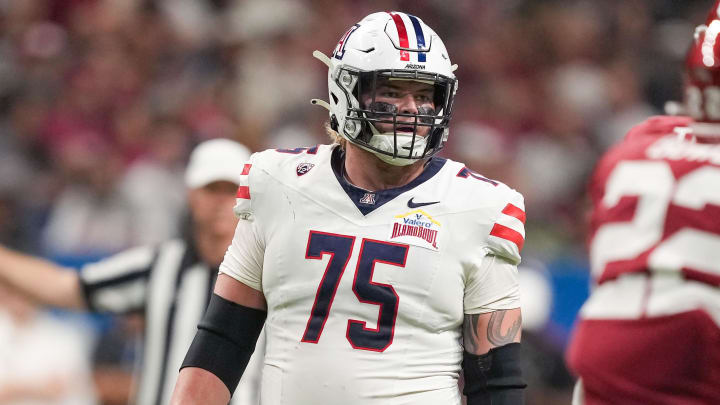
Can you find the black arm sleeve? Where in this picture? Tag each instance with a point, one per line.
(225, 340)
(494, 378)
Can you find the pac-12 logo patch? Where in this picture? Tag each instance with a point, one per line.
(416, 228)
(303, 168)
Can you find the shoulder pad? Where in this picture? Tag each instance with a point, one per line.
(473, 189)
(280, 164)
(659, 125)
(503, 210)
(274, 161)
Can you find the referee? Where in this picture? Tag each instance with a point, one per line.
(170, 284)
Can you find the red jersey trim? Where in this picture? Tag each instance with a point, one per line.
(515, 212)
(243, 192)
(510, 234)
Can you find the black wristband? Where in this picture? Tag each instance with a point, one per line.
(494, 378)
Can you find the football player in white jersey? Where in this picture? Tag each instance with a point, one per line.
(378, 269)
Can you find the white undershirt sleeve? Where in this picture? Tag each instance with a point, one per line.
(492, 286)
(244, 258)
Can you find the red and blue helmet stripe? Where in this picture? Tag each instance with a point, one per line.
(420, 37)
(403, 37)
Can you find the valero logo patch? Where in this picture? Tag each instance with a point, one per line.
(417, 228)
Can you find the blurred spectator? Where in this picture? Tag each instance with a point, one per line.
(156, 215)
(90, 216)
(115, 360)
(43, 360)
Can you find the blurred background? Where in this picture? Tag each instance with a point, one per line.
(102, 100)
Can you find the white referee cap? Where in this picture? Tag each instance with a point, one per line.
(216, 160)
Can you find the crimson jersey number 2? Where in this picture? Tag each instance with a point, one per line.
(340, 247)
(688, 250)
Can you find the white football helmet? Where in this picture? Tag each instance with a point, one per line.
(394, 46)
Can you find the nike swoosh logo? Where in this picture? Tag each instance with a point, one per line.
(412, 204)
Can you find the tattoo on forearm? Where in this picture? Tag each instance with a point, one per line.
(470, 335)
(494, 332)
(496, 335)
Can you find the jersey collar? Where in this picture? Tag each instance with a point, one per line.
(368, 201)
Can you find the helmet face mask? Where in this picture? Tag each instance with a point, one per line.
(702, 75)
(380, 126)
(378, 51)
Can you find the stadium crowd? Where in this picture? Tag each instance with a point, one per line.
(102, 100)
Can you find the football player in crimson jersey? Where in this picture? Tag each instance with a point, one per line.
(650, 331)
(369, 259)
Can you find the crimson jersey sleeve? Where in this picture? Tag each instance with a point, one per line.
(659, 125)
(633, 146)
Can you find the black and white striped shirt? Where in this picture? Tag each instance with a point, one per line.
(171, 286)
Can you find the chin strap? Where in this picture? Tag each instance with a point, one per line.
(323, 58)
(321, 103)
(326, 60)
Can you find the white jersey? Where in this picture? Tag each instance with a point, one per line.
(366, 291)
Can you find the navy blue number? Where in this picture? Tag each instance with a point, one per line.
(369, 292)
(339, 247)
(465, 173)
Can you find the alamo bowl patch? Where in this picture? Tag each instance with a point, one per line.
(417, 228)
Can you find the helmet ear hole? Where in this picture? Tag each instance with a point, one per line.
(335, 98)
(333, 121)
